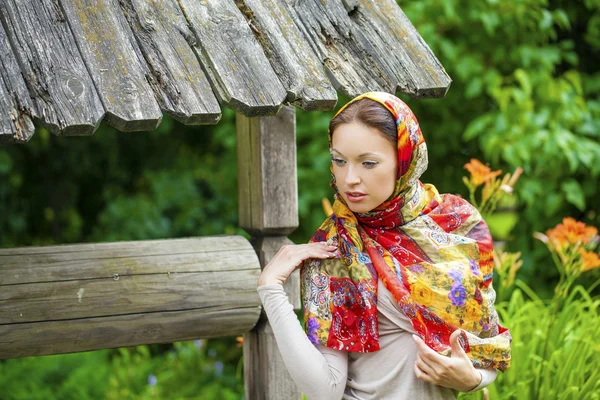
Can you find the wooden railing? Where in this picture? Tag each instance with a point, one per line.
(70, 298)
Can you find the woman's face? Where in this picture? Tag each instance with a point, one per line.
(364, 164)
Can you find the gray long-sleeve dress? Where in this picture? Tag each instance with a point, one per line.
(328, 374)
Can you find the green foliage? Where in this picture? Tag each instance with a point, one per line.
(204, 370)
(554, 350)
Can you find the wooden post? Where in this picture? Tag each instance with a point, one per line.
(268, 210)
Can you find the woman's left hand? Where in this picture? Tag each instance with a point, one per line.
(455, 372)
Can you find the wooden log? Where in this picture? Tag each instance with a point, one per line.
(179, 84)
(234, 61)
(58, 81)
(298, 67)
(411, 62)
(114, 62)
(59, 337)
(58, 299)
(267, 184)
(16, 107)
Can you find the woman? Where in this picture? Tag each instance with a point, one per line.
(396, 283)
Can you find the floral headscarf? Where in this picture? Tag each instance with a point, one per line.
(433, 253)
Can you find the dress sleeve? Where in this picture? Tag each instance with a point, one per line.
(319, 372)
(487, 377)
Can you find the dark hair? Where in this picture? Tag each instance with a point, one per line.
(369, 113)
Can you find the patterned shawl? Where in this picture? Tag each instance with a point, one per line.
(433, 253)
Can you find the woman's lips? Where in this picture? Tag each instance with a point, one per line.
(355, 197)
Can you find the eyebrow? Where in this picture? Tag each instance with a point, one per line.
(360, 155)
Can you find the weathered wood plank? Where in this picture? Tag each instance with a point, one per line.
(59, 84)
(115, 63)
(353, 66)
(127, 294)
(38, 264)
(234, 61)
(267, 183)
(179, 84)
(86, 293)
(16, 107)
(57, 337)
(298, 67)
(265, 375)
(417, 71)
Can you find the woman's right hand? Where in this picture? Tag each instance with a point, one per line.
(290, 257)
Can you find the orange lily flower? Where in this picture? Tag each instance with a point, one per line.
(589, 260)
(571, 231)
(480, 173)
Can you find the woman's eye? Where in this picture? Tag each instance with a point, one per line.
(369, 164)
(338, 161)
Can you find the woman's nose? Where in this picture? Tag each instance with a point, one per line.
(352, 178)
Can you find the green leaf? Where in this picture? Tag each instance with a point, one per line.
(574, 193)
(477, 126)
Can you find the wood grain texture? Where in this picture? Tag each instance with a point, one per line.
(59, 84)
(179, 84)
(115, 63)
(267, 182)
(409, 59)
(234, 61)
(16, 107)
(371, 45)
(57, 337)
(298, 67)
(265, 375)
(51, 290)
(33, 264)
(353, 66)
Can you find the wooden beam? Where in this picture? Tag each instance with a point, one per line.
(57, 299)
(267, 182)
(268, 204)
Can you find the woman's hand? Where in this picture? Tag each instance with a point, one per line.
(455, 372)
(290, 257)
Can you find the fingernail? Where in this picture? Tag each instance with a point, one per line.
(414, 337)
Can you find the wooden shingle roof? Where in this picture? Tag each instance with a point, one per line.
(69, 64)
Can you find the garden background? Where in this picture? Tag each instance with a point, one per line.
(525, 93)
